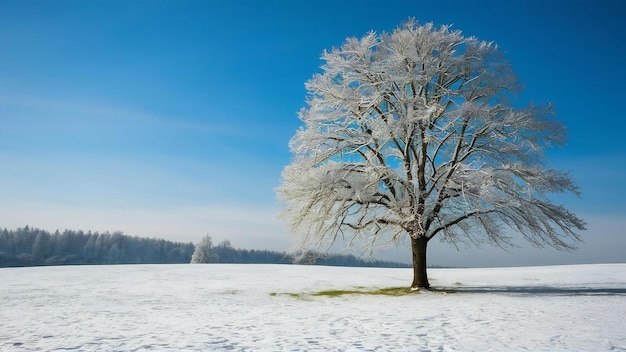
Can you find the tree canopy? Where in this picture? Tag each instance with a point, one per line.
(412, 133)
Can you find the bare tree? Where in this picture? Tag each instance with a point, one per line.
(411, 133)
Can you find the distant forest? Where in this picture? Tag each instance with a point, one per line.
(28, 247)
(34, 247)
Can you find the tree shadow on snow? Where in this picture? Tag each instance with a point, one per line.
(542, 290)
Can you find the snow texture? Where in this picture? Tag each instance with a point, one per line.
(249, 308)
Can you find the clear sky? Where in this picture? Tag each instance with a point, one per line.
(171, 119)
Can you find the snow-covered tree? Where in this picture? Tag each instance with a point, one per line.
(410, 134)
(205, 252)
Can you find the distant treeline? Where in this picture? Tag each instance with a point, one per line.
(32, 247)
(227, 254)
(28, 247)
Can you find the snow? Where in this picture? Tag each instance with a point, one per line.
(256, 308)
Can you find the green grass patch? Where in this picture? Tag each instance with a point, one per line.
(387, 291)
(359, 290)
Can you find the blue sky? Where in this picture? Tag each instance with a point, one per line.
(171, 118)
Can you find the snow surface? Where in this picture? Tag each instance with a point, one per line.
(232, 307)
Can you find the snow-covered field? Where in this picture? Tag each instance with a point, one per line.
(255, 308)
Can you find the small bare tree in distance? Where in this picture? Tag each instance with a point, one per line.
(410, 134)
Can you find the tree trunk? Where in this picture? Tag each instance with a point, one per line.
(420, 277)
